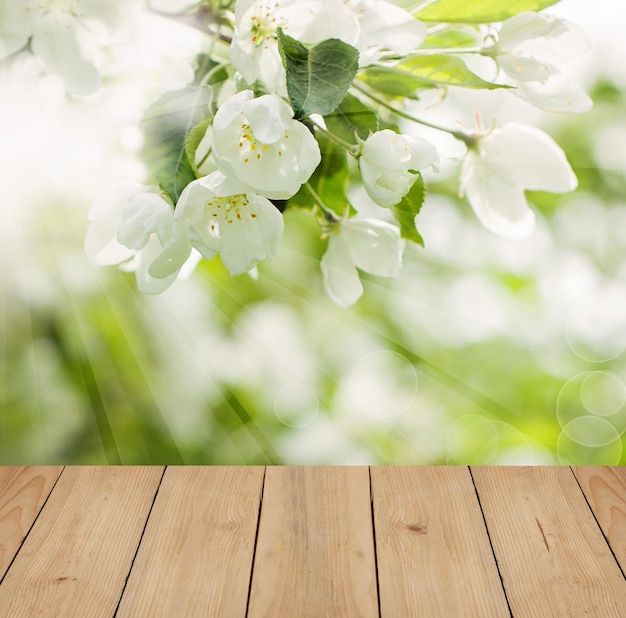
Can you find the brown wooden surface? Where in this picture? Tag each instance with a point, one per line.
(434, 557)
(605, 490)
(76, 558)
(196, 556)
(553, 558)
(23, 491)
(315, 550)
(312, 542)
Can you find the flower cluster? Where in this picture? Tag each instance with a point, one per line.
(295, 104)
(60, 33)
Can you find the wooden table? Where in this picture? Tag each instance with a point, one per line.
(312, 542)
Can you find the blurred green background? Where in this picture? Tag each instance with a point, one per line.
(483, 351)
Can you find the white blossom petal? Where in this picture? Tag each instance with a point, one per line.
(341, 279)
(55, 42)
(507, 162)
(499, 205)
(16, 25)
(389, 162)
(375, 246)
(173, 255)
(146, 214)
(142, 262)
(275, 169)
(105, 218)
(529, 157)
(384, 25)
(269, 116)
(251, 236)
(555, 94)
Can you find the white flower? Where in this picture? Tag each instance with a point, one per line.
(505, 163)
(529, 49)
(254, 49)
(133, 224)
(60, 33)
(258, 142)
(369, 244)
(389, 162)
(16, 25)
(244, 228)
(383, 25)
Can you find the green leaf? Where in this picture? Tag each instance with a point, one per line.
(318, 77)
(350, 118)
(443, 70)
(166, 126)
(482, 12)
(196, 135)
(329, 180)
(394, 82)
(406, 211)
(456, 37)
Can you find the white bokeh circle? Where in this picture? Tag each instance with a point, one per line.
(571, 452)
(593, 394)
(592, 431)
(296, 405)
(603, 393)
(472, 439)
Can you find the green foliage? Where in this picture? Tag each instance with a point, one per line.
(329, 181)
(483, 12)
(457, 37)
(392, 81)
(166, 126)
(350, 118)
(436, 69)
(405, 78)
(406, 211)
(318, 77)
(194, 138)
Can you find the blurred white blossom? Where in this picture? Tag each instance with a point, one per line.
(389, 162)
(383, 25)
(62, 35)
(369, 244)
(503, 164)
(530, 48)
(133, 224)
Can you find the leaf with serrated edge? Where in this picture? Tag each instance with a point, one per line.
(408, 208)
(483, 12)
(318, 77)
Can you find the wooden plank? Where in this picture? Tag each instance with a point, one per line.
(315, 550)
(196, 555)
(434, 556)
(23, 491)
(605, 489)
(79, 552)
(551, 554)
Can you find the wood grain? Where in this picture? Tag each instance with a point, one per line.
(23, 491)
(551, 554)
(195, 558)
(605, 490)
(79, 552)
(434, 557)
(315, 550)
